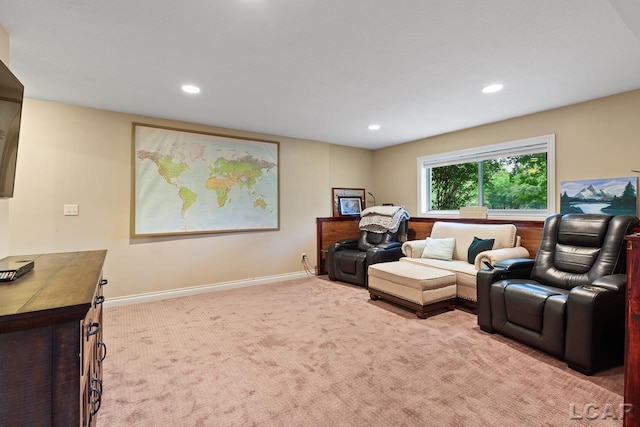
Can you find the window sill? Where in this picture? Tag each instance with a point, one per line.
(510, 216)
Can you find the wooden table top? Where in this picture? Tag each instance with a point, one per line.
(60, 287)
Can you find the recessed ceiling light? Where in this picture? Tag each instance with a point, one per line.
(374, 127)
(191, 89)
(496, 87)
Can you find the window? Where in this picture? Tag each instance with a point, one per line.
(512, 179)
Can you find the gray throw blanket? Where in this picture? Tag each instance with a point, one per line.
(382, 219)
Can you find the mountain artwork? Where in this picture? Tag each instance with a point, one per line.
(612, 196)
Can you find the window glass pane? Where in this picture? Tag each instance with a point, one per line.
(516, 182)
(454, 186)
(512, 179)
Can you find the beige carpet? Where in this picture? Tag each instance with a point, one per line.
(311, 352)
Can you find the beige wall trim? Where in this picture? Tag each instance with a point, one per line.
(195, 290)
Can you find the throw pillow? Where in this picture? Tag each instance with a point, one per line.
(439, 248)
(478, 245)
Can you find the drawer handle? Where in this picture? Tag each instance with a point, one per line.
(98, 381)
(97, 402)
(93, 329)
(102, 351)
(103, 282)
(99, 300)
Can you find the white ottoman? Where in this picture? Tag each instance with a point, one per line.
(417, 287)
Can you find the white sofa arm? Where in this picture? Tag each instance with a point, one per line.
(495, 255)
(414, 248)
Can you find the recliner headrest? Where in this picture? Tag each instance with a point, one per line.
(586, 230)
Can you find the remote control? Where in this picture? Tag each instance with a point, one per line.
(488, 264)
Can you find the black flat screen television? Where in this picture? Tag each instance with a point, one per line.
(11, 96)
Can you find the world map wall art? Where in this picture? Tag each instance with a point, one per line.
(612, 196)
(188, 182)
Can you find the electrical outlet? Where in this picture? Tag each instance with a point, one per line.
(70, 210)
(303, 257)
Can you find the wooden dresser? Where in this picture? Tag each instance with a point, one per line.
(51, 345)
(332, 229)
(632, 339)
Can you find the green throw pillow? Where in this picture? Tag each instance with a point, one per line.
(478, 245)
(439, 248)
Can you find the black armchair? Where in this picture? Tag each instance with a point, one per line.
(570, 300)
(348, 260)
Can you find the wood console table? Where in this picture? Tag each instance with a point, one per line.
(632, 334)
(332, 229)
(51, 345)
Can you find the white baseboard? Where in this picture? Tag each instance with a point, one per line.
(194, 290)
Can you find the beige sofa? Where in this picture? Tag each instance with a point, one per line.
(505, 246)
(425, 284)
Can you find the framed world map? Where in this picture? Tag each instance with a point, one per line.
(188, 182)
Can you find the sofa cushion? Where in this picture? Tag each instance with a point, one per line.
(439, 248)
(478, 245)
(412, 276)
(465, 273)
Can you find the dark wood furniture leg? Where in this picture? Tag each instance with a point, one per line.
(422, 311)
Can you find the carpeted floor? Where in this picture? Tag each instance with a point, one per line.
(311, 352)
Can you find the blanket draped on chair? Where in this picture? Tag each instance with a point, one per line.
(381, 219)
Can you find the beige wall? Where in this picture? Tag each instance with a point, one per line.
(594, 139)
(71, 154)
(350, 165)
(4, 46)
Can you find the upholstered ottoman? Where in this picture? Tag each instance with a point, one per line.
(417, 287)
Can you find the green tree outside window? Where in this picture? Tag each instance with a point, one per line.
(506, 183)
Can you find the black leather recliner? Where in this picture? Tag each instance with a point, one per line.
(570, 300)
(348, 260)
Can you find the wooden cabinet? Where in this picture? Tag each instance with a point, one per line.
(332, 229)
(51, 347)
(632, 334)
(93, 351)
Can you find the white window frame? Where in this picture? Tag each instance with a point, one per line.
(538, 144)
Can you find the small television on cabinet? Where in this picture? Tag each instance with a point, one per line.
(11, 96)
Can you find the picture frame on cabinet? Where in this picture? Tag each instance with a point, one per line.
(346, 192)
(349, 206)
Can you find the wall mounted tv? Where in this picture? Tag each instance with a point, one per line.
(11, 95)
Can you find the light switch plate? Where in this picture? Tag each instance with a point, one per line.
(70, 210)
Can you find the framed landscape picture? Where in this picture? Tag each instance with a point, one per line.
(346, 192)
(351, 206)
(193, 183)
(613, 196)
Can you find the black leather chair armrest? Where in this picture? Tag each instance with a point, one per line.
(392, 252)
(595, 324)
(345, 244)
(516, 265)
(484, 279)
(613, 282)
(516, 268)
(389, 245)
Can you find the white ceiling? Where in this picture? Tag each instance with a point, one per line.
(325, 69)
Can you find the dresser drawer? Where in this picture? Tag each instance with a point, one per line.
(93, 352)
(58, 317)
